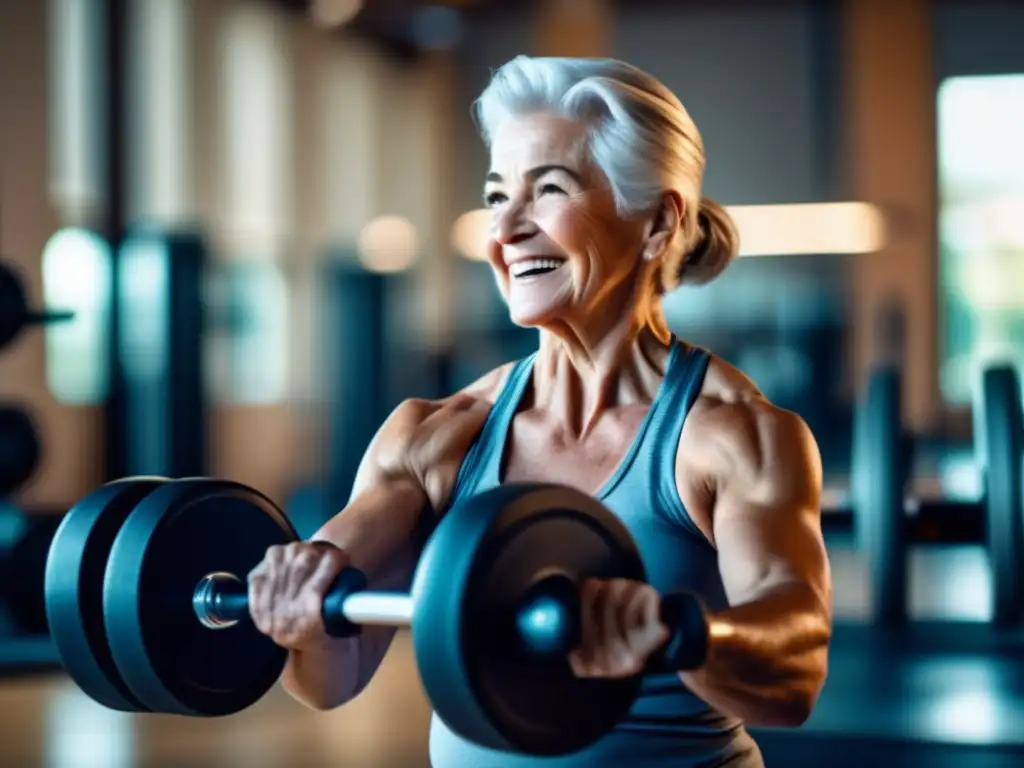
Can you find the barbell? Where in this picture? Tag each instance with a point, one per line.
(15, 313)
(147, 606)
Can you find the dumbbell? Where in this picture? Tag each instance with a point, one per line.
(147, 604)
(886, 522)
(15, 313)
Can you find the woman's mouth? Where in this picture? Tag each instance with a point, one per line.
(534, 267)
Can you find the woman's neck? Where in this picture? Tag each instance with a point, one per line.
(581, 370)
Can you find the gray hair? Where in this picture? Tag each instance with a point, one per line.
(642, 139)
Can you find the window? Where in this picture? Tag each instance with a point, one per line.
(145, 283)
(256, 140)
(76, 105)
(77, 277)
(158, 154)
(981, 228)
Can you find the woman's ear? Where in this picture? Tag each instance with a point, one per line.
(662, 227)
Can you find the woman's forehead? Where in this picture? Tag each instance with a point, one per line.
(537, 140)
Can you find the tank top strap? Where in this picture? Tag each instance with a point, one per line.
(481, 467)
(655, 465)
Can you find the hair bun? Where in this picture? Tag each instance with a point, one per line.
(717, 246)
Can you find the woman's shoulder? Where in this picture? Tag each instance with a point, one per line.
(487, 387)
(437, 425)
(731, 418)
(725, 383)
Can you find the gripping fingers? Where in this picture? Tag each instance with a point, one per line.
(309, 601)
(259, 598)
(656, 632)
(262, 587)
(646, 632)
(602, 649)
(328, 566)
(617, 657)
(581, 660)
(621, 627)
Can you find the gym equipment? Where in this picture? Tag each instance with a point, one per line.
(15, 313)
(24, 539)
(20, 449)
(886, 522)
(24, 543)
(159, 424)
(1004, 503)
(147, 606)
(355, 342)
(881, 466)
(75, 570)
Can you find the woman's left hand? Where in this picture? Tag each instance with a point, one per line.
(621, 628)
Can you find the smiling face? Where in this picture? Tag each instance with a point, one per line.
(557, 244)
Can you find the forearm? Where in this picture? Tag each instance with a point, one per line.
(334, 671)
(766, 659)
(382, 532)
(325, 676)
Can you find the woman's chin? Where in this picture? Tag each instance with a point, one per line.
(533, 315)
(531, 318)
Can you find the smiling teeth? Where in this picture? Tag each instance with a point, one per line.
(522, 267)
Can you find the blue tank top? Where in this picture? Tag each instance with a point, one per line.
(668, 725)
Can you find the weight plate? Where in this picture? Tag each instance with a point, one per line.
(881, 465)
(19, 449)
(73, 585)
(26, 564)
(474, 573)
(1003, 493)
(177, 535)
(12, 305)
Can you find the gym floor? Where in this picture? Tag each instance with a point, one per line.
(48, 722)
(943, 694)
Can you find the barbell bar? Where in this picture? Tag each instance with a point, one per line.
(928, 521)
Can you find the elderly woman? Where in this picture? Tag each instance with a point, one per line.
(595, 193)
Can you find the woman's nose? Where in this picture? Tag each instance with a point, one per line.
(512, 226)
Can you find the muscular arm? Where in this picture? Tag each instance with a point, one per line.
(406, 474)
(767, 656)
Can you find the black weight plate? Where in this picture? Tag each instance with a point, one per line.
(176, 536)
(19, 448)
(1003, 492)
(881, 464)
(73, 585)
(12, 306)
(26, 590)
(473, 575)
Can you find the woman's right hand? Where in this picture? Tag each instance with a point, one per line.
(286, 591)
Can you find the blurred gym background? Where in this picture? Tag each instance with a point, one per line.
(263, 215)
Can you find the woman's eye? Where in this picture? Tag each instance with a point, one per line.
(551, 189)
(495, 198)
